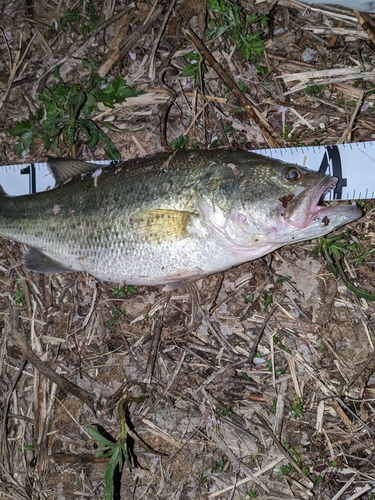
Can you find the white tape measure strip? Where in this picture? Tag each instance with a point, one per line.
(353, 164)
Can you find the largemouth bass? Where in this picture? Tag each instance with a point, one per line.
(171, 218)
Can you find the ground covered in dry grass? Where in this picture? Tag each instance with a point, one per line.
(255, 383)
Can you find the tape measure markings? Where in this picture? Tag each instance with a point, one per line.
(353, 164)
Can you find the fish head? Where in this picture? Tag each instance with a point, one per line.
(303, 213)
(268, 203)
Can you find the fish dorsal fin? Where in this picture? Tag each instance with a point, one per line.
(64, 169)
(157, 225)
(34, 260)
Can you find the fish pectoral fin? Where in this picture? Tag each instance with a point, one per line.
(64, 169)
(34, 260)
(160, 224)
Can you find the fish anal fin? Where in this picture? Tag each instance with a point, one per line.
(183, 278)
(161, 224)
(35, 261)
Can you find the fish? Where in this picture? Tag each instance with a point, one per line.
(169, 219)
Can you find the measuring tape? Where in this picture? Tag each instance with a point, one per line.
(353, 164)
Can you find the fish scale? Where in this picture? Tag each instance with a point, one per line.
(171, 218)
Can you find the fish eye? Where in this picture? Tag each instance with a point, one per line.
(293, 174)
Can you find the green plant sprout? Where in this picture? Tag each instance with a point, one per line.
(229, 20)
(226, 411)
(335, 250)
(242, 86)
(316, 90)
(252, 494)
(248, 299)
(286, 470)
(287, 132)
(269, 365)
(297, 407)
(281, 280)
(115, 313)
(268, 300)
(19, 295)
(247, 377)
(277, 341)
(203, 479)
(218, 467)
(216, 143)
(280, 371)
(294, 453)
(117, 451)
(180, 142)
(65, 114)
(195, 67)
(231, 133)
(274, 406)
(86, 21)
(123, 290)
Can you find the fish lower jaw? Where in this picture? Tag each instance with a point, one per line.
(332, 217)
(326, 215)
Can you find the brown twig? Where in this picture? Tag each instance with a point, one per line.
(151, 71)
(119, 54)
(272, 137)
(82, 49)
(290, 459)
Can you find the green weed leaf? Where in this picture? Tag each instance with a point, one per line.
(102, 440)
(229, 20)
(76, 104)
(91, 130)
(65, 113)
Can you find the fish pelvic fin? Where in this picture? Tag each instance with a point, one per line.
(35, 261)
(156, 225)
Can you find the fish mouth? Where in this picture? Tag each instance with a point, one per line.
(308, 207)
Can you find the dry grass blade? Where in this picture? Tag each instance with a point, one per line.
(367, 23)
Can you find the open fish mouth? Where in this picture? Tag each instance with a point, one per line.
(308, 207)
(319, 209)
